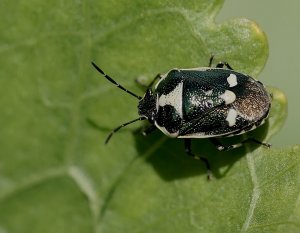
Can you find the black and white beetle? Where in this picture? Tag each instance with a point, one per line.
(202, 102)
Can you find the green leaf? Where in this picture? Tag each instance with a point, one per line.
(55, 173)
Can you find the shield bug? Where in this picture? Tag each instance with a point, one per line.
(205, 102)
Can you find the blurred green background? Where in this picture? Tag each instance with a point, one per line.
(280, 21)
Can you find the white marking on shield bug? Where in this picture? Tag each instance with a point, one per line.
(174, 98)
(228, 96)
(231, 117)
(208, 93)
(157, 104)
(232, 80)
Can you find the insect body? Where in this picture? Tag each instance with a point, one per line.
(202, 102)
(205, 102)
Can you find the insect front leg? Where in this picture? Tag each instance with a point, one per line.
(188, 150)
(222, 147)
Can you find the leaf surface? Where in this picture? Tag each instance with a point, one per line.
(55, 173)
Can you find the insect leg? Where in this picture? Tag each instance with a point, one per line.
(222, 147)
(149, 130)
(211, 60)
(158, 76)
(222, 64)
(253, 140)
(188, 150)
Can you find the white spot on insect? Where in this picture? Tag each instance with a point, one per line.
(228, 96)
(157, 104)
(232, 80)
(174, 98)
(208, 93)
(231, 117)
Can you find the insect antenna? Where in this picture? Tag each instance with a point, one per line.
(121, 126)
(114, 82)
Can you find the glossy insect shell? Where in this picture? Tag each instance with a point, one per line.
(205, 102)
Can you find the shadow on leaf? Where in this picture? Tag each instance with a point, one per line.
(168, 158)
